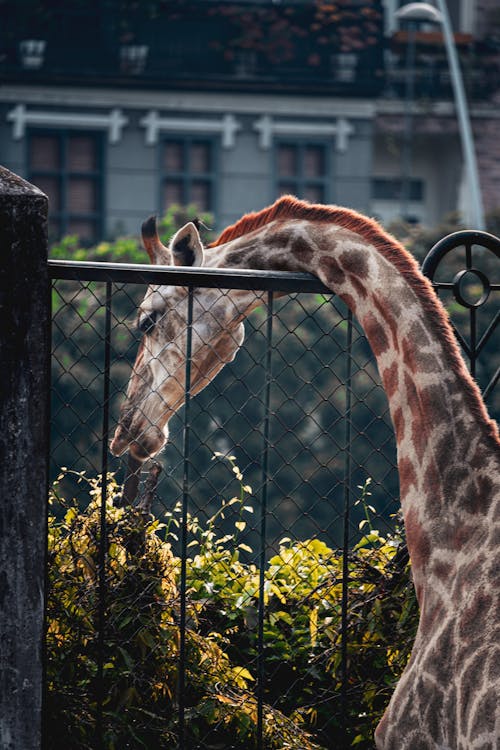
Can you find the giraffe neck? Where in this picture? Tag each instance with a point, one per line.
(447, 446)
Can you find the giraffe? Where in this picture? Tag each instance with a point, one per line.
(447, 446)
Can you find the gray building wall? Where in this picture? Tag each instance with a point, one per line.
(245, 178)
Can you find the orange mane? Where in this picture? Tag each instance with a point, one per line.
(289, 207)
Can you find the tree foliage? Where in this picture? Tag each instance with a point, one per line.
(114, 617)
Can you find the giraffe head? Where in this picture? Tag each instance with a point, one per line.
(156, 389)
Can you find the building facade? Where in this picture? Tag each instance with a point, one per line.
(117, 113)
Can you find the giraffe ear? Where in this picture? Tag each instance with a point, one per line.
(186, 247)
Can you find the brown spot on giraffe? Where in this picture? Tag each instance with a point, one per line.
(444, 448)
(302, 250)
(235, 258)
(442, 570)
(471, 680)
(434, 710)
(431, 614)
(409, 355)
(399, 424)
(432, 487)
(435, 404)
(358, 285)
(355, 262)
(494, 664)
(479, 458)
(440, 656)
(479, 495)
(474, 618)
(419, 543)
(461, 536)
(407, 475)
(375, 334)
(485, 715)
(389, 312)
(333, 271)
(280, 237)
(349, 300)
(390, 379)
(419, 427)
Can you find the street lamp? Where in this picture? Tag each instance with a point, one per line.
(413, 13)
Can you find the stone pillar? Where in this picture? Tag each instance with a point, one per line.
(24, 415)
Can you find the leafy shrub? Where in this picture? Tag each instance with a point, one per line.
(133, 588)
(129, 249)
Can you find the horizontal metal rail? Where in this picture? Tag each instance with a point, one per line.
(218, 278)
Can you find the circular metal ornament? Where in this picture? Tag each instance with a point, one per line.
(475, 275)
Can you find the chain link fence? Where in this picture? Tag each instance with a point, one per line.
(264, 599)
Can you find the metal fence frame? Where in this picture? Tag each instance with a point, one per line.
(270, 282)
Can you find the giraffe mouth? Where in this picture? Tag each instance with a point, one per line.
(142, 444)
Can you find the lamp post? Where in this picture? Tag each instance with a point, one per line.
(406, 151)
(412, 13)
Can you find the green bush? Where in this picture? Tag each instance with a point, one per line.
(129, 249)
(139, 588)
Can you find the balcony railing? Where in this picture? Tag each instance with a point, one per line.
(244, 46)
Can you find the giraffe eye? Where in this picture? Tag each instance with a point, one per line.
(147, 323)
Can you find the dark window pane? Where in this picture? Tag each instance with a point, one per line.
(417, 190)
(173, 157)
(390, 188)
(187, 173)
(84, 229)
(200, 158)
(314, 161)
(200, 195)
(287, 161)
(386, 188)
(55, 159)
(172, 193)
(51, 187)
(44, 153)
(314, 193)
(81, 196)
(82, 154)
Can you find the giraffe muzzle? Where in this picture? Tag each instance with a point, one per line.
(142, 443)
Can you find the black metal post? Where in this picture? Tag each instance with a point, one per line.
(406, 158)
(345, 543)
(185, 506)
(101, 615)
(263, 524)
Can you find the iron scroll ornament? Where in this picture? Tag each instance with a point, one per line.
(468, 239)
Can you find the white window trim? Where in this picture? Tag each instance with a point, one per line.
(267, 127)
(20, 117)
(227, 127)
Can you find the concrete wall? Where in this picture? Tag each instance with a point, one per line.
(244, 170)
(435, 159)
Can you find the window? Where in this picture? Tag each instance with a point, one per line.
(68, 168)
(388, 201)
(301, 169)
(187, 168)
(391, 189)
